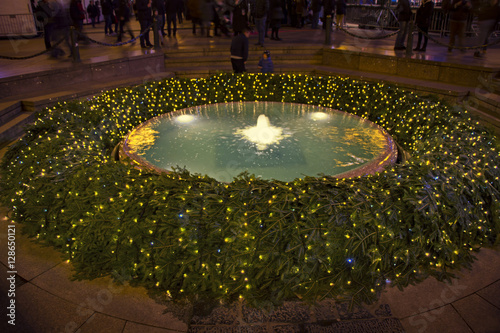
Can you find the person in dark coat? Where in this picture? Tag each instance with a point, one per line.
(403, 10)
(422, 21)
(123, 15)
(46, 14)
(172, 10)
(459, 11)
(220, 18)
(145, 17)
(340, 10)
(93, 12)
(194, 11)
(487, 12)
(239, 51)
(328, 9)
(77, 14)
(159, 13)
(240, 16)
(107, 12)
(316, 9)
(276, 15)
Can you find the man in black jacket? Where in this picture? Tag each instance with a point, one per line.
(239, 51)
(145, 17)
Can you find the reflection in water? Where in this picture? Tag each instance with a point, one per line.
(271, 140)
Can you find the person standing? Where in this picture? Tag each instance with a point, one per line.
(423, 20)
(300, 7)
(194, 11)
(123, 15)
(404, 14)
(328, 9)
(316, 9)
(260, 15)
(340, 10)
(207, 15)
(145, 17)
(47, 14)
(107, 12)
(159, 13)
(220, 18)
(93, 11)
(276, 15)
(240, 16)
(459, 11)
(77, 14)
(172, 10)
(239, 51)
(487, 17)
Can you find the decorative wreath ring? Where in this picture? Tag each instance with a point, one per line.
(189, 236)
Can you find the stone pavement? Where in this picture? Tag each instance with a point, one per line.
(48, 300)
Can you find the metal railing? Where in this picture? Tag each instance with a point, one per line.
(366, 15)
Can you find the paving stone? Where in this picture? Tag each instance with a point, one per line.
(131, 327)
(491, 293)
(102, 323)
(104, 296)
(32, 259)
(431, 293)
(479, 314)
(442, 320)
(48, 313)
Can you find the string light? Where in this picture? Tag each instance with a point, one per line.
(177, 231)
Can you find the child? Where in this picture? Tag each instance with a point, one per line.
(265, 63)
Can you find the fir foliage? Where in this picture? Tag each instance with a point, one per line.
(189, 236)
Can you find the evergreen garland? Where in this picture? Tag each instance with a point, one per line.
(188, 236)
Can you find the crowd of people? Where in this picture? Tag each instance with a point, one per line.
(487, 13)
(211, 18)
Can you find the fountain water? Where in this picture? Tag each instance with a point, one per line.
(272, 140)
(263, 134)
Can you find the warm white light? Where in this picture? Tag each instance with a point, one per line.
(185, 118)
(319, 116)
(263, 134)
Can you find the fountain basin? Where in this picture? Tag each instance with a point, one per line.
(272, 140)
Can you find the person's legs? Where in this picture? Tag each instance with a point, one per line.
(47, 34)
(120, 31)
(107, 24)
(426, 31)
(315, 19)
(454, 25)
(485, 29)
(145, 33)
(238, 65)
(260, 23)
(401, 36)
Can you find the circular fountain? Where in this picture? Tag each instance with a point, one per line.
(272, 140)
